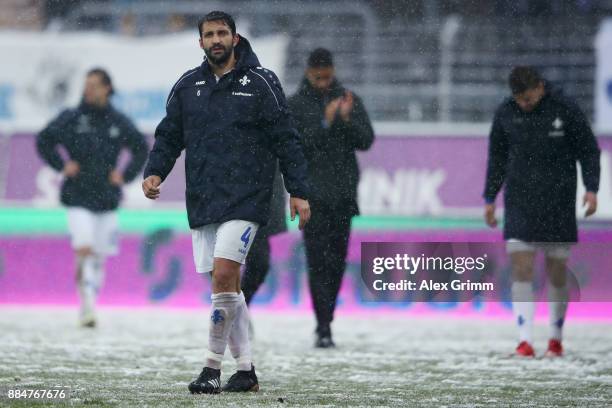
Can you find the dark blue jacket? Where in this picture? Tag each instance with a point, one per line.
(330, 152)
(534, 154)
(93, 137)
(232, 132)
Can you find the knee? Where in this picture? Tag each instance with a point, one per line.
(522, 266)
(557, 274)
(83, 252)
(225, 275)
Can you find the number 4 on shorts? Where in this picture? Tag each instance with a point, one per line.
(246, 236)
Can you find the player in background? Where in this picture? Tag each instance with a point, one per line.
(93, 135)
(230, 116)
(334, 124)
(536, 138)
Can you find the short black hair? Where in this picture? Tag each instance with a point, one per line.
(218, 16)
(104, 77)
(320, 58)
(523, 78)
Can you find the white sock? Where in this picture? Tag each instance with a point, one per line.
(523, 307)
(239, 342)
(224, 308)
(558, 299)
(90, 282)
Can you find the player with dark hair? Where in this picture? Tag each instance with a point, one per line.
(334, 125)
(93, 134)
(231, 118)
(536, 138)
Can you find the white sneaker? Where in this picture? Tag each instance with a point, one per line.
(87, 315)
(88, 321)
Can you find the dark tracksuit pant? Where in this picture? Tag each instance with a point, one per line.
(256, 265)
(258, 259)
(326, 238)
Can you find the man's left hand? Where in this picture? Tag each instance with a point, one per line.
(346, 106)
(301, 207)
(590, 200)
(116, 178)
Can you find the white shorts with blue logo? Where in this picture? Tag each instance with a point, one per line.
(555, 250)
(98, 231)
(229, 240)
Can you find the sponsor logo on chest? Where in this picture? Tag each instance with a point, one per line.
(557, 128)
(114, 132)
(244, 81)
(83, 125)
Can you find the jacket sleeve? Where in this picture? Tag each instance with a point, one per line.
(135, 142)
(168, 143)
(498, 159)
(284, 138)
(50, 137)
(313, 135)
(585, 147)
(358, 129)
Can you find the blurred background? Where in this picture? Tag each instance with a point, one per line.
(431, 73)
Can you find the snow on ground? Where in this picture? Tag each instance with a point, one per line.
(146, 357)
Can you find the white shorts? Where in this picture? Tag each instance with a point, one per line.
(229, 240)
(556, 250)
(99, 231)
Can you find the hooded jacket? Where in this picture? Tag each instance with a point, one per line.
(330, 150)
(93, 137)
(534, 154)
(232, 132)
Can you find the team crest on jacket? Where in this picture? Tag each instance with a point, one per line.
(113, 132)
(83, 125)
(244, 80)
(558, 128)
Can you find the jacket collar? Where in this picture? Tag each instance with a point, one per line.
(550, 92)
(335, 90)
(94, 110)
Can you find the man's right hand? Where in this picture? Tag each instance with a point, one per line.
(71, 168)
(489, 215)
(331, 109)
(150, 187)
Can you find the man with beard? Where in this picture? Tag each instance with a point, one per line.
(536, 138)
(231, 117)
(334, 125)
(93, 135)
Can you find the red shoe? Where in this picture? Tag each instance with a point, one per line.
(555, 349)
(524, 349)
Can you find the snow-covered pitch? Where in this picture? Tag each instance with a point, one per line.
(147, 357)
